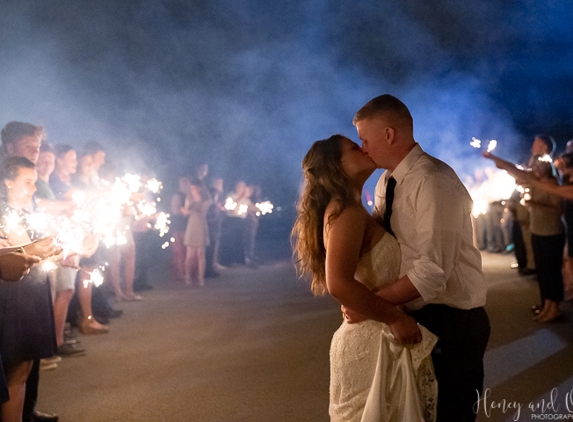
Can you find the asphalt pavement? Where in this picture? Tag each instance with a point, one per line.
(252, 345)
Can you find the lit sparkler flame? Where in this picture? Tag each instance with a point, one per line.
(48, 265)
(265, 207)
(153, 185)
(499, 186)
(476, 143)
(162, 223)
(230, 204)
(96, 278)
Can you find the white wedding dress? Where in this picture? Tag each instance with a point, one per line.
(373, 378)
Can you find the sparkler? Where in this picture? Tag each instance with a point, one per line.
(230, 204)
(99, 215)
(476, 143)
(265, 207)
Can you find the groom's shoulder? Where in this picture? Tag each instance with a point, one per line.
(432, 165)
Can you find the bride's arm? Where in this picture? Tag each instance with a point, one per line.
(344, 237)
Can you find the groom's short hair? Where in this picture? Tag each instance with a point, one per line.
(385, 104)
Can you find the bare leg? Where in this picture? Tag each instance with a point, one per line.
(129, 271)
(178, 256)
(88, 324)
(61, 304)
(115, 271)
(201, 264)
(17, 376)
(189, 264)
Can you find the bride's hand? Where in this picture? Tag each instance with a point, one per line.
(351, 316)
(405, 330)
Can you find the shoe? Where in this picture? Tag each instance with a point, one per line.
(143, 287)
(88, 329)
(53, 359)
(526, 271)
(66, 350)
(48, 366)
(132, 298)
(101, 319)
(115, 313)
(43, 417)
(72, 341)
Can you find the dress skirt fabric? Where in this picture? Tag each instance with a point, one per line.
(26, 319)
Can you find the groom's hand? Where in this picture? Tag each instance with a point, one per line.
(351, 316)
(405, 330)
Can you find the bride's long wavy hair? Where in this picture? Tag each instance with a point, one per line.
(324, 181)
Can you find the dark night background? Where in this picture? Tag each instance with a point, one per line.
(248, 85)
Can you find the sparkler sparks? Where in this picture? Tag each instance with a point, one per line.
(265, 207)
(477, 143)
(100, 215)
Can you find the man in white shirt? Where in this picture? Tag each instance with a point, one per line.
(441, 281)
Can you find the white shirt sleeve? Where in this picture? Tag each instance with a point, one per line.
(441, 209)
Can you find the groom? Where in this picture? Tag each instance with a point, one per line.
(441, 282)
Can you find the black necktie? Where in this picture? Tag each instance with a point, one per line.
(389, 199)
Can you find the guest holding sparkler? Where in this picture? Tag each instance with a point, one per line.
(196, 235)
(178, 226)
(97, 153)
(143, 237)
(234, 226)
(252, 225)
(25, 307)
(548, 237)
(24, 140)
(122, 253)
(88, 324)
(66, 271)
(215, 216)
(45, 167)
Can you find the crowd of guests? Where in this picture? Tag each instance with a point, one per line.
(537, 222)
(39, 304)
(212, 230)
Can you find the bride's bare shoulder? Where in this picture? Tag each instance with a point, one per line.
(354, 211)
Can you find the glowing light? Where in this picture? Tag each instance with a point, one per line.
(48, 265)
(96, 278)
(265, 207)
(153, 185)
(545, 158)
(476, 143)
(499, 186)
(243, 208)
(230, 205)
(162, 223)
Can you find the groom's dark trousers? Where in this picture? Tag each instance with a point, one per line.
(457, 357)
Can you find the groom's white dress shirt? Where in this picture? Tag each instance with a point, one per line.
(431, 220)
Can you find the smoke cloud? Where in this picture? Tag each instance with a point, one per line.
(247, 86)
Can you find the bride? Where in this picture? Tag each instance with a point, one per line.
(381, 368)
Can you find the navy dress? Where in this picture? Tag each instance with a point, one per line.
(27, 329)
